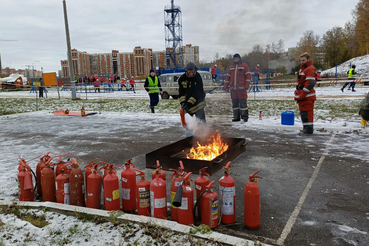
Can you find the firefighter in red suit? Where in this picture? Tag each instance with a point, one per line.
(305, 93)
(238, 80)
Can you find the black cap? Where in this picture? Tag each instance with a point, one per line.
(237, 55)
(152, 71)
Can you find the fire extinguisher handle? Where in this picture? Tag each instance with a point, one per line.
(181, 165)
(202, 170)
(158, 163)
(187, 176)
(227, 166)
(253, 176)
(210, 185)
(175, 172)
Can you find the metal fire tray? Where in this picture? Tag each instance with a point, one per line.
(170, 155)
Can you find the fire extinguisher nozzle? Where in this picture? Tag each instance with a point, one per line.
(177, 201)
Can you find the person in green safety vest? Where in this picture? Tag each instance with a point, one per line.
(153, 87)
(351, 74)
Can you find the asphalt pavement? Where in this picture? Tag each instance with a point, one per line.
(310, 193)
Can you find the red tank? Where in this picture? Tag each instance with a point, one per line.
(227, 196)
(185, 211)
(128, 177)
(91, 165)
(62, 186)
(48, 183)
(252, 202)
(209, 204)
(143, 195)
(76, 182)
(39, 167)
(26, 192)
(93, 197)
(111, 191)
(158, 197)
(200, 185)
(175, 183)
(60, 165)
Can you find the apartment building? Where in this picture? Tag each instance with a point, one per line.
(137, 63)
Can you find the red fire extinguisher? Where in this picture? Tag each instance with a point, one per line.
(227, 196)
(209, 205)
(158, 196)
(175, 183)
(90, 166)
(111, 189)
(48, 182)
(200, 185)
(76, 183)
(128, 177)
(83, 111)
(60, 165)
(26, 191)
(62, 185)
(162, 173)
(184, 201)
(143, 194)
(39, 167)
(252, 202)
(94, 180)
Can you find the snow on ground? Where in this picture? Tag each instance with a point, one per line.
(362, 67)
(68, 230)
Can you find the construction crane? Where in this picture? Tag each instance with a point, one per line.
(173, 35)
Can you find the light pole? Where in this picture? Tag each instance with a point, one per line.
(33, 69)
(71, 72)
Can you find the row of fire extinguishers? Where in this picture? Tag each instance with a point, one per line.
(57, 183)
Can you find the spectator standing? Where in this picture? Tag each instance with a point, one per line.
(256, 72)
(305, 93)
(238, 80)
(152, 86)
(213, 71)
(191, 92)
(122, 84)
(96, 84)
(41, 88)
(351, 75)
(132, 83)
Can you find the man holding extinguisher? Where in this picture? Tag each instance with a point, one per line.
(305, 93)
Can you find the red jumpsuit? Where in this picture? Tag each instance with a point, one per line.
(238, 80)
(305, 95)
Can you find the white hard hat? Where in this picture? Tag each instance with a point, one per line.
(215, 65)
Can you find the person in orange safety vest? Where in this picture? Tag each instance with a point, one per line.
(305, 93)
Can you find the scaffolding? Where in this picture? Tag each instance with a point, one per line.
(173, 35)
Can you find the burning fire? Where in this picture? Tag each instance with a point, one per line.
(214, 148)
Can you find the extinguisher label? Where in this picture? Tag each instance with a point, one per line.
(66, 188)
(56, 185)
(160, 203)
(198, 187)
(115, 194)
(126, 194)
(177, 184)
(66, 199)
(184, 205)
(227, 197)
(152, 203)
(141, 189)
(144, 198)
(214, 209)
(124, 180)
(90, 194)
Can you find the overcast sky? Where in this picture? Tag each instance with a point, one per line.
(216, 26)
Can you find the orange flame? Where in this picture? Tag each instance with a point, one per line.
(214, 148)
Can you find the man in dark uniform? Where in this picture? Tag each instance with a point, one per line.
(191, 92)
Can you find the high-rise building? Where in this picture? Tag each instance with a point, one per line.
(137, 63)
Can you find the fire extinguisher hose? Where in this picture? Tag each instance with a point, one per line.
(34, 175)
(197, 220)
